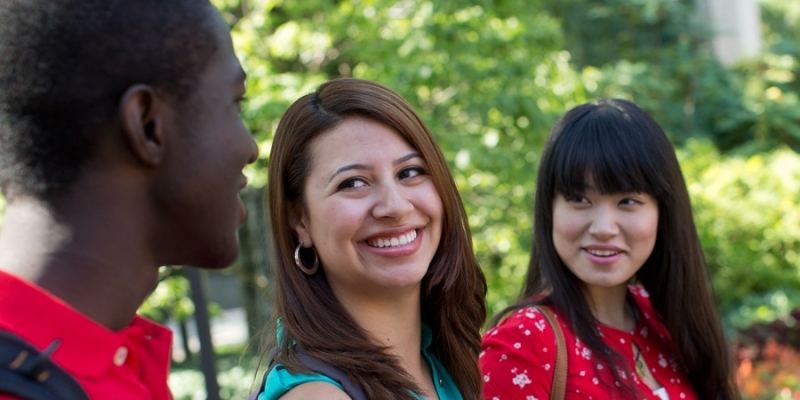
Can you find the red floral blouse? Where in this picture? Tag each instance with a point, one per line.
(519, 356)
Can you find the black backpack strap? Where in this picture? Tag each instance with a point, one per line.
(321, 367)
(29, 374)
(354, 391)
(271, 364)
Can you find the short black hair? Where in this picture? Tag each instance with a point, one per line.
(65, 64)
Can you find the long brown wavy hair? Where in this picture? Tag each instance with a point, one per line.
(621, 149)
(453, 289)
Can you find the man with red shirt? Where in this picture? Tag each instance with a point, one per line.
(121, 150)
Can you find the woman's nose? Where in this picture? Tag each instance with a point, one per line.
(604, 223)
(392, 202)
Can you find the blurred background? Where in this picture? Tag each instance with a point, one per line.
(490, 77)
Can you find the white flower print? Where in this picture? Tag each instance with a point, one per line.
(540, 325)
(531, 398)
(486, 378)
(547, 367)
(586, 353)
(661, 361)
(521, 380)
(577, 347)
(517, 345)
(644, 332)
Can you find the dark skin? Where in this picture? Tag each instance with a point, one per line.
(89, 247)
(99, 245)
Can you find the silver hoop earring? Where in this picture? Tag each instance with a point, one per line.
(297, 261)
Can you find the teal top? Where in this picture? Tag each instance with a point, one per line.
(280, 380)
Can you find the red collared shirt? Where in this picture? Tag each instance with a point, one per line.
(132, 363)
(519, 354)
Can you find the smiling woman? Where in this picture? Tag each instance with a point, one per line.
(617, 259)
(367, 192)
(361, 204)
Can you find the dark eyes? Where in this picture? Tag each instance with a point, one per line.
(352, 183)
(357, 182)
(411, 172)
(576, 199)
(627, 201)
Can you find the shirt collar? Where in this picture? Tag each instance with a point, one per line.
(427, 337)
(86, 348)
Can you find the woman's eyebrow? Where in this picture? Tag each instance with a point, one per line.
(349, 167)
(407, 157)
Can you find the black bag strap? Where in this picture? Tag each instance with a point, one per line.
(271, 364)
(354, 391)
(27, 373)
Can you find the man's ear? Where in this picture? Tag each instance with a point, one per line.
(299, 222)
(143, 116)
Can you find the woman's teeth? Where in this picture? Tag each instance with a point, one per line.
(394, 241)
(603, 253)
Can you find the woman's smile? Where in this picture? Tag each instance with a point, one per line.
(394, 241)
(371, 209)
(396, 246)
(604, 238)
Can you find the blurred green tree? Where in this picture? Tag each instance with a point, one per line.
(490, 78)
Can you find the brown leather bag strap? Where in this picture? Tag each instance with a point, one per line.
(558, 390)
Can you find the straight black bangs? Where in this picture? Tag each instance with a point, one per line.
(609, 150)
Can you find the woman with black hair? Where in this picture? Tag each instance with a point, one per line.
(617, 259)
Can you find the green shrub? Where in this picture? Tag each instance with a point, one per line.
(747, 211)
